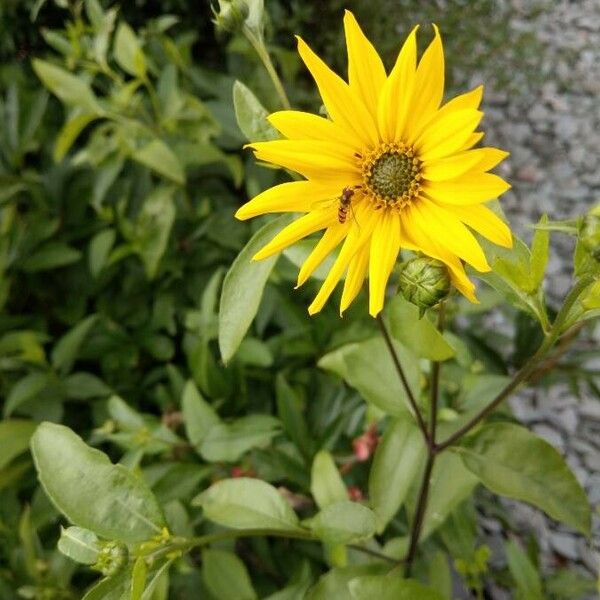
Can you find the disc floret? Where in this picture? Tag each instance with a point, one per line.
(391, 175)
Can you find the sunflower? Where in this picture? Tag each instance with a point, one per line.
(390, 168)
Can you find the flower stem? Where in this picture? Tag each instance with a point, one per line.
(258, 43)
(400, 370)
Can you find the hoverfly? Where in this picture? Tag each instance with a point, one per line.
(344, 203)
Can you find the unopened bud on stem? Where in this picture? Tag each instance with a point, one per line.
(424, 281)
(231, 15)
(112, 558)
(590, 233)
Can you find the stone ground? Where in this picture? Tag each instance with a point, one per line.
(552, 128)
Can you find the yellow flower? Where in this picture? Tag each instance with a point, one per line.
(390, 168)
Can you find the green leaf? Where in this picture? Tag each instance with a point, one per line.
(138, 578)
(540, 476)
(390, 587)
(243, 288)
(153, 227)
(245, 503)
(369, 369)
(334, 584)
(126, 417)
(92, 492)
(451, 484)
(397, 460)
(225, 576)
(70, 132)
(529, 584)
(291, 415)
(540, 247)
(99, 249)
(67, 87)
(229, 442)
(326, 484)
(51, 255)
(14, 439)
(80, 545)
(25, 389)
(82, 386)
(128, 52)
(251, 115)
(343, 523)
(156, 155)
(419, 335)
(198, 415)
(111, 588)
(66, 349)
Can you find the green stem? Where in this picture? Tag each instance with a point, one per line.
(527, 369)
(258, 43)
(400, 371)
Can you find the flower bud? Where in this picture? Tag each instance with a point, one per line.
(112, 558)
(590, 234)
(424, 281)
(231, 15)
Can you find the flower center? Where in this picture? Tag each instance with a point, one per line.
(391, 173)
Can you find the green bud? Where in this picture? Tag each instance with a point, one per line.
(112, 558)
(231, 15)
(424, 281)
(589, 234)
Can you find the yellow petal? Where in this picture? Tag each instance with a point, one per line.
(451, 166)
(345, 108)
(366, 73)
(429, 86)
(356, 239)
(307, 157)
(490, 158)
(473, 139)
(470, 100)
(417, 239)
(472, 188)
(385, 245)
(326, 245)
(448, 232)
(444, 136)
(293, 196)
(396, 93)
(357, 270)
(295, 124)
(484, 221)
(313, 221)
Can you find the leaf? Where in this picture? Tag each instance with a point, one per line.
(25, 389)
(326, 484)
(334, 584)
(389, 587)
(80, 545)
(156, 155)
(539, 476)
(66, 349)
(99, 249)
(371, 371)
(243, 288)
(14, 439)
(229, 442)
(419, 335)
(451, 484)
(540, 246)
(245, 503)
(70, 132)
(128, 52)
(198, 415)
(92, 492)
(83, 386)
(51, 255)
(343, 523)
(529, 584)
(226, 576)
(397, 460)
(138, 578)
(251, 115)
(67, 87)
(153, 228)
(291, 415)
(116, 587)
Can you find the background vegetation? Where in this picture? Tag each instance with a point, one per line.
(120, 170)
